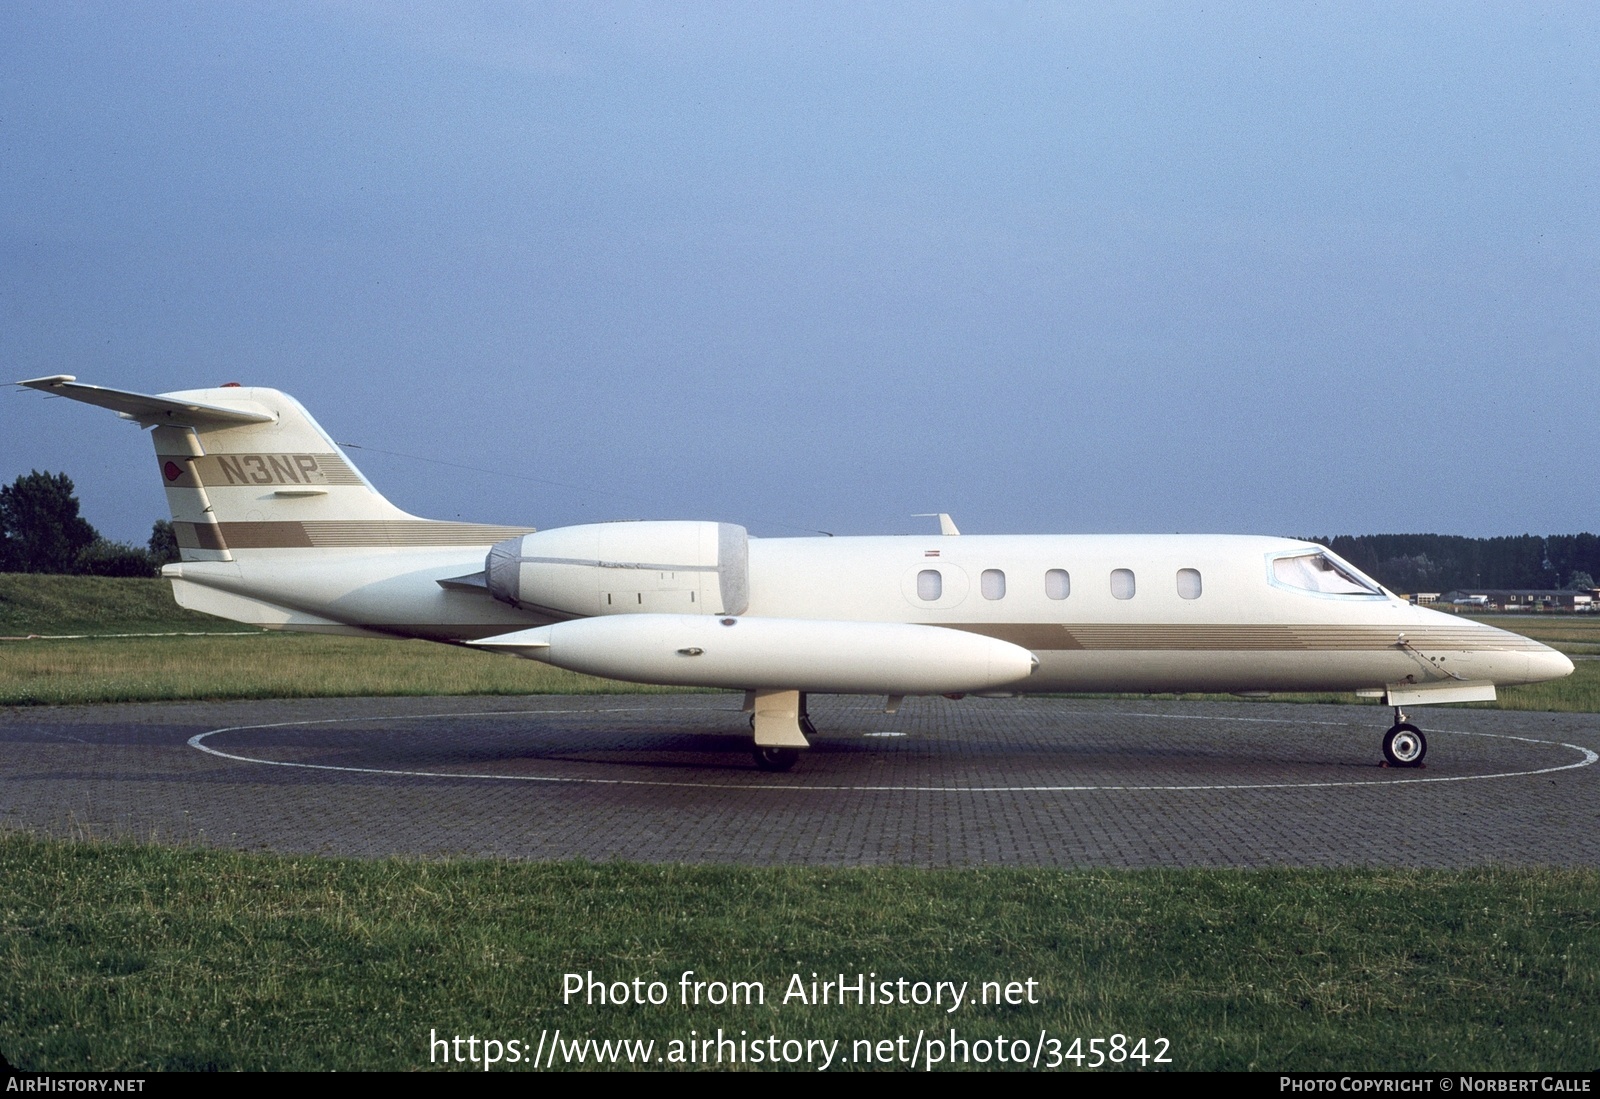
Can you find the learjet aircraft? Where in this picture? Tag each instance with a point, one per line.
(277, 528)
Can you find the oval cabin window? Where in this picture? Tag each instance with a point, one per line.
(1057, 584)
(1189, 583)
(1122, 583)
(993, 584)
(930, 585)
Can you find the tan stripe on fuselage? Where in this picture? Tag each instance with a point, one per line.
(1242, 638)
(335, 534)
(197, 536)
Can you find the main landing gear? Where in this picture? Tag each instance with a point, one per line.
(776, 759)
(1404, 745)
(781, 725)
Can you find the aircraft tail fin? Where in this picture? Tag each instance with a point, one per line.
(248, 469)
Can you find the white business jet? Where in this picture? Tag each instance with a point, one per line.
(277, 528)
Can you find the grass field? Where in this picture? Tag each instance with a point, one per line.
(270, 665)
(55, 669)
(81, 651)
(31, 603)
(121, 957)
(142, 957)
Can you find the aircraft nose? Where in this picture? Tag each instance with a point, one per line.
(1548, 664)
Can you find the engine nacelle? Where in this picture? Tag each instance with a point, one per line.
(625, 568)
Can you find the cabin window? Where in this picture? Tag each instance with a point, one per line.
(993, 584)
(930, 585)
(1122, 583)
(1319, 572)
(1057, 584)
(1189, 583)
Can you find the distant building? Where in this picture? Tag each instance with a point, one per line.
(1520, 599)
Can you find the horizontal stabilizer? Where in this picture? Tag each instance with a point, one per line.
(258, 612)
(149, 409)
(477, 581)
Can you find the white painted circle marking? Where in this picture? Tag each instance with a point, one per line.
(198, 741)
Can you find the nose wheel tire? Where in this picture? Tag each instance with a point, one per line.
(1404, 746)
(776, 759)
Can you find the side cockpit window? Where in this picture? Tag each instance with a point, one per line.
(1321, 573)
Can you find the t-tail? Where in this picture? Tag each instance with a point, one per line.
(276, 527)
(249, 469)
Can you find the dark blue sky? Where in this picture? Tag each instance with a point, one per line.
(1289, 269)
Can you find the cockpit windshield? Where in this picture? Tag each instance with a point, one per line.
(1318, 572)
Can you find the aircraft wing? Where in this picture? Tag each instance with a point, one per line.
(149, 409)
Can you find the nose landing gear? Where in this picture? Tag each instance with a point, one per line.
(1404, 745)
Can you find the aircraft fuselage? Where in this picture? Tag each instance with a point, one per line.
(1234, 629)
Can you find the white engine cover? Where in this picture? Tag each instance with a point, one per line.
(624, 568)
(780, 653)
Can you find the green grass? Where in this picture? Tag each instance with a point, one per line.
(270, 665)
(52, 669)
(1552, 629)
(1576, 635)
(276, 665)
(124, 957)
(31, 603)
(1577, 693)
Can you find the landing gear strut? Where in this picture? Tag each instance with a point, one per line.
(781, 725)
(1404, 745)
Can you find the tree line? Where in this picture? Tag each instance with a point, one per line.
(41, 531)
(1446, 562)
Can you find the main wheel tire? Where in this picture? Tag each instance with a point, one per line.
(776, 759)
(1404, 746)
